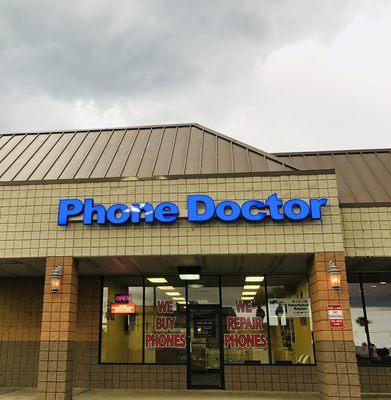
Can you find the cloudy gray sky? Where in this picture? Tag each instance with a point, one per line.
(281, 75)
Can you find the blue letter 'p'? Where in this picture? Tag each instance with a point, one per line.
(68, 208)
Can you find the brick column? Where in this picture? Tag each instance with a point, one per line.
(335, 351)
(55, 371)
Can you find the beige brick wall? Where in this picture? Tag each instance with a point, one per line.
(367, 231)
(28, 219)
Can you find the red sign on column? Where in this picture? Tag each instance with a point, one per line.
(335, 315)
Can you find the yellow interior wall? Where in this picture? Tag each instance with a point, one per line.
(117, 344)
(114, 340)
(303, 338)
(278, 351)
(150, 354)
(302, 334)
(135, 338)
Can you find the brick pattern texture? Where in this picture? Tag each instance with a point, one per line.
(28, 219)
(59, 313)
(375, 379)
(20, 329)
(335, 351)
(271, 378)
(367, 231)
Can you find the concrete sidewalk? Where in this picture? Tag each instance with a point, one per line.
(124, 394)
(15, 393)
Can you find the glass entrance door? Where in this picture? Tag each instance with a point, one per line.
(205, 353)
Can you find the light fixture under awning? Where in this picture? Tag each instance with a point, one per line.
(251, 287)
(165, 288)
(157, 280)
(254, 278)
(189, 273)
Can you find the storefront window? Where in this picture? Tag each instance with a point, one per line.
(165, 321)
(290, 320)
(122, 320)
(244, 320)
(372, 317)
(255, 319)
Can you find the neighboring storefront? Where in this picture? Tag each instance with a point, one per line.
(172, 257)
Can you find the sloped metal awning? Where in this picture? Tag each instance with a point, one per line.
(182, 150)
(363, 176)
(166, 150)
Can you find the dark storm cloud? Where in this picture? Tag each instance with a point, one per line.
(83, 49)
(264, 71)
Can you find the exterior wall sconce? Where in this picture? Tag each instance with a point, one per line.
(334, 275)
(55, 279)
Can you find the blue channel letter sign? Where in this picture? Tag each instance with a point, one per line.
(200, 208)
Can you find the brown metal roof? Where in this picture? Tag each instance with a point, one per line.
(363, 176)
(145, 151)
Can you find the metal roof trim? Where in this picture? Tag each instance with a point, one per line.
(169, 177)
(365, 205)
(330, 152)
(99, 129)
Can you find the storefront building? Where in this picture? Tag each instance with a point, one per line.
(173, 257)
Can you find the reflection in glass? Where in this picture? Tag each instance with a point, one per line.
(375, 302)
(358, 323)
(378, 304)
